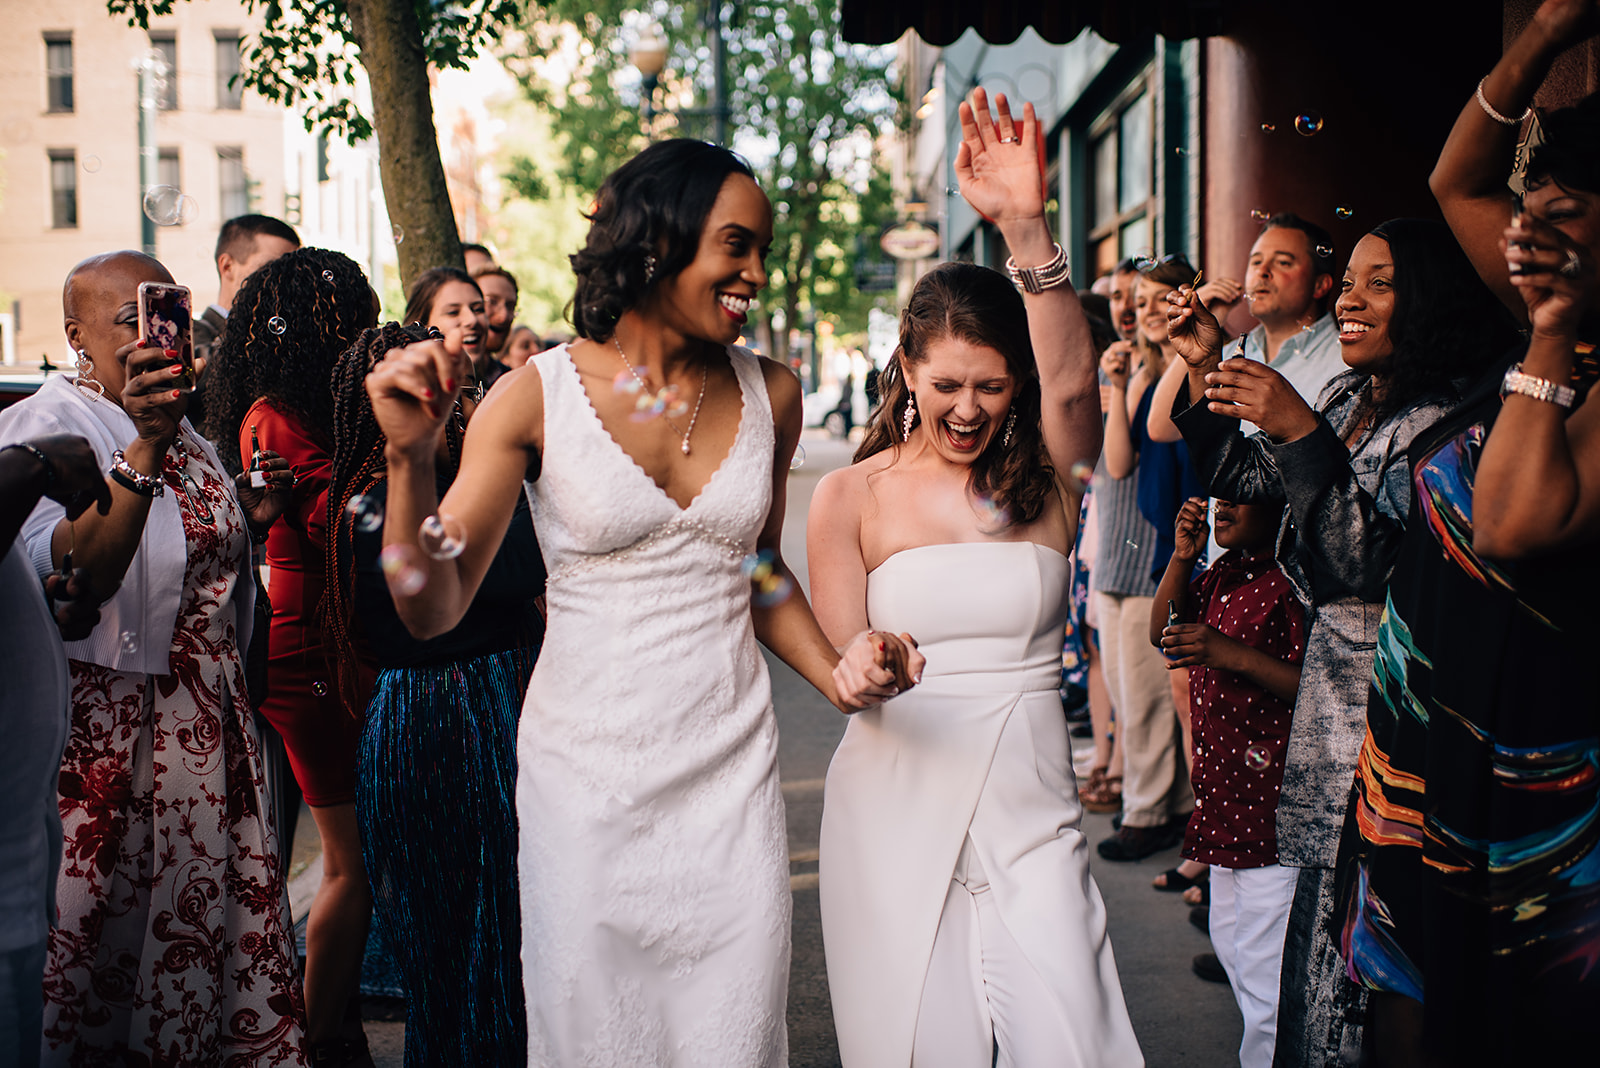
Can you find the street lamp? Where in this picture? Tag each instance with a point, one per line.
(649, 57)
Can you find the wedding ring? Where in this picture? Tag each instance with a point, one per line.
(1011, 140)
(1573, 267)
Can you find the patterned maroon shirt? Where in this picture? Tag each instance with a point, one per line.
(1241, 730)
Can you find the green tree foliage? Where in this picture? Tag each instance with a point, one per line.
(806, 108)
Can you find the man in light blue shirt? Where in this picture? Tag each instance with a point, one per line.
(1290, 286)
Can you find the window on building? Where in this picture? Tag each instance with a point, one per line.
(233, 186)
(1122, 155)
(165, 45)
(63, 188)
(230, 89)
(58, 71)
(168, 172)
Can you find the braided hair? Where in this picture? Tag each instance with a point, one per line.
(288, 324)
(358, 466)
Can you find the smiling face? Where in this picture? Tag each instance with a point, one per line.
(459, 314)
(1250, 528)
(709, 300)
(500, 308)
(963, 392)
(1151, 302)
(101, 302)
(1124, 316)
(1281, 279)
(1365, 307)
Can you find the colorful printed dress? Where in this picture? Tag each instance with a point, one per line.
(1473, 883)
(174, 945)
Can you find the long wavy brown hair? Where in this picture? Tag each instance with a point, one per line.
(981, 307)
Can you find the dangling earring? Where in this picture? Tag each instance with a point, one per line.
(910, 416)
(1011, 424)
(649, 267)
(85, 368)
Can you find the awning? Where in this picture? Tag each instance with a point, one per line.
(940, 22)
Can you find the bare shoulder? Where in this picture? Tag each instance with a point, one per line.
(783, 386)
(513, 410)
(851, 486)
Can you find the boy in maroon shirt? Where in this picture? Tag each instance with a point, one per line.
(1243, 650)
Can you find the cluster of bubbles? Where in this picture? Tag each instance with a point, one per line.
(769, 585)
(1258, 758)
(277, 325)
(91, 164)
(1306, 124)
(366, 514)
(128, 642)
(442, 536)
(167, 205)
(648, 405)
(400, 568)
(798, 460)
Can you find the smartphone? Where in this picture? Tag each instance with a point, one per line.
(165, 321)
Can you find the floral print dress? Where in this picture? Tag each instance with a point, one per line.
(173, 945)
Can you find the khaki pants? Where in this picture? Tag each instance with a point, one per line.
(1155, 783)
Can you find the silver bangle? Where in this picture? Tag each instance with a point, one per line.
(130, 478)
(1540, 389)
(1045, 276)
(1488, 109)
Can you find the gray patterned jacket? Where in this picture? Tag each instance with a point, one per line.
(1341, 531)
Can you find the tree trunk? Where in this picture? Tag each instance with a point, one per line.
(390, 40)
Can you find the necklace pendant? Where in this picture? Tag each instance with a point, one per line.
(685, 446)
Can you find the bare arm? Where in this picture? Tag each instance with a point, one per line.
(1189, 541)
(1469, 181)
(1159, 425)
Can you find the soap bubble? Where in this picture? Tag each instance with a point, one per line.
(1308, 124)
(1258, 758)
(993, 517)
(1260, 214)
(128, 642)
(647, 405)
(626, 383)
(91, 164)
(1080, 473)
(798, 460)
(399, 233)
(277, 325)
(442, 536)
(327, 276)
(167, 205)
(366, 513)
(1325, 251)
(319, 688)
(1269, 127)
(1180, 151)
(770, 586)
(1344, 211)
(400, 568)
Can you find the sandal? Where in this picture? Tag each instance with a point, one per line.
(1102, 793)
(1198, 894)
(1174, 881)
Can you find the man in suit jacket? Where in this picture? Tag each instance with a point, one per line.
(245, 244)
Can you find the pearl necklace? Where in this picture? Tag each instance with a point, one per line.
(659, 400)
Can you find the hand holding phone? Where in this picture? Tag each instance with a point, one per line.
(166, 322)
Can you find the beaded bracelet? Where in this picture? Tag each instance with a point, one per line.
(129, 478)
(1488, 109)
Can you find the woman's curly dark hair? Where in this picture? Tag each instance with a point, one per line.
(358, 465)
(321, 301)
(654, 205)
(1446, 327)
(1570, 153)
(979, 306)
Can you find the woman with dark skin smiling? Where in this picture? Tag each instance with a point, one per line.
(653, 856)
(1469, 901)
(1412, 317)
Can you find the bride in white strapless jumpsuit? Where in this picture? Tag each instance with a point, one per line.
(956, 895)
(653, 854)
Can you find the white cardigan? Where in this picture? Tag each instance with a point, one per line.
(147, 603)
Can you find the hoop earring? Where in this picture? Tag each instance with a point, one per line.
(649, 267)
(85, 369)
(1011, 424)
(910, 417)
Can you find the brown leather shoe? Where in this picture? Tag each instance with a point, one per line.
(1136, 843)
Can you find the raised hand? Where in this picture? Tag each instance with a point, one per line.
(1000, 164)
(1246, 389)
(875, 665)
(1566, 22)
(1117, 363)
(1220, 293)
(1192, 530)
(156, 392)
(1554, 275)
(1194, 332)
(413, 391)
(264, 504)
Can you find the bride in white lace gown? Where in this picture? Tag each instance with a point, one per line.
(652, 861)
(958, 914)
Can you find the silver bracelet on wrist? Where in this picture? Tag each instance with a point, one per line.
(1488, 109)
(1045, 276)
(44, 461)
(1540, 389)
(130, 478)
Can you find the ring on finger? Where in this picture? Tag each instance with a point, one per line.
(1573, 267)
(1011, 139)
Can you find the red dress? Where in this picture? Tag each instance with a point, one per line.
(302, 701)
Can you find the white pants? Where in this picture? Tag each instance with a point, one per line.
(981, 992)
(1249, 917)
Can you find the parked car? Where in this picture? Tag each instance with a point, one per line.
(17, 383)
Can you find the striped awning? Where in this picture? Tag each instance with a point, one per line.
(939, 22)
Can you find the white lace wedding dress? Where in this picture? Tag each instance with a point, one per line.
(653, 854)
(952, 811)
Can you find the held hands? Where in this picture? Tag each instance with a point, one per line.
(1554, 274)
(1245, 389)
(1197, 645)
(1194, 332)
(264, 504)
(413, 391)
(875, 665)
(1192, 531)
(1116, 363)
(1000, 164)
(76, 478)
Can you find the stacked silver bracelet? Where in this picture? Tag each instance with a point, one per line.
(1045, 276)
(1540, 389)
(129, 478)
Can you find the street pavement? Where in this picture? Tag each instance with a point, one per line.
(1180, 1020)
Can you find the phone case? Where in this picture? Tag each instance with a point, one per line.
(164, 318)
